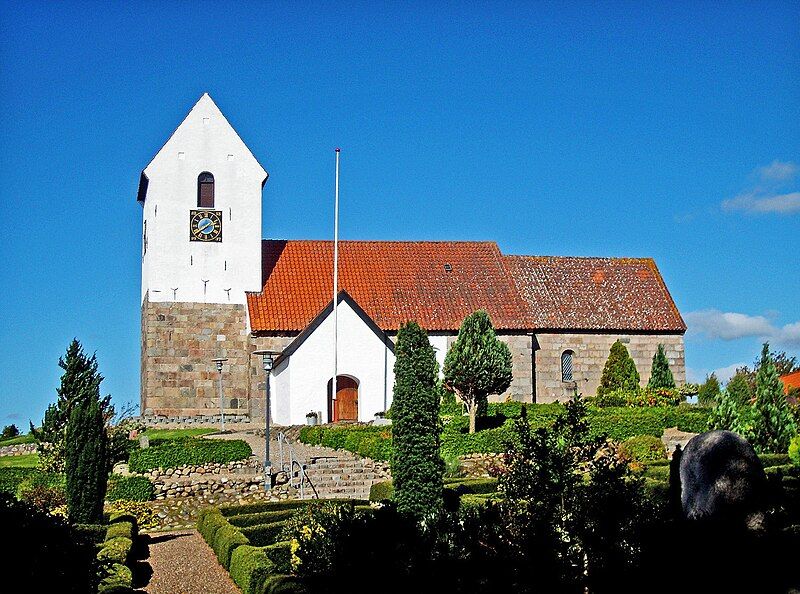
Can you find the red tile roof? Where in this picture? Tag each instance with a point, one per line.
(791, 380)
(393, 282)
(594, 294)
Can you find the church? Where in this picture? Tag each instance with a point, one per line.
(212, 288)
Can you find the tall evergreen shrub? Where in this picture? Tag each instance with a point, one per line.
(79, 382)
(619, 372)
(709, 391)
(86, 462)
(738, 390)
(416, 463)
(773, 424)
(660, 373)
(477, 364)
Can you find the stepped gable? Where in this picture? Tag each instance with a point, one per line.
(601, 294)
(436, 284)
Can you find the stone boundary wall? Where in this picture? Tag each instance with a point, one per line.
(18, 449)
(479, 465)
(245, 467)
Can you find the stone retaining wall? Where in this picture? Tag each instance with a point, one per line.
(18, 450)
(251, 466)
(479, 465)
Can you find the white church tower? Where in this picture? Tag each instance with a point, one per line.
(201, 251)
(201, 199)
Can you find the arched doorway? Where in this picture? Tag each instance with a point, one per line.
(345, 407)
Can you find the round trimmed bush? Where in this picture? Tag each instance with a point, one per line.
(643, 449)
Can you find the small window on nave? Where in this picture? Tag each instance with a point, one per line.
(205, 190)
(566, 366)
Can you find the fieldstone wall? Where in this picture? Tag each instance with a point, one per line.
(179, 341)
(590, 355)
(18, 450)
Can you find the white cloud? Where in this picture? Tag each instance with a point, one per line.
(726, 373)
(767, 191)
(715, 324)
(778, 171)
(760, 203)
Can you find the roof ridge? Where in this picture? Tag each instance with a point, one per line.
(386, 241)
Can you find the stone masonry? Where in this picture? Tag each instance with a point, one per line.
(179, 341)
(590, 355)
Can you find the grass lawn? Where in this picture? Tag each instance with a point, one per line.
(178, 433)
(27, 438)
(26, 461)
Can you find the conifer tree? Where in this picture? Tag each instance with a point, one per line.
(709, 391)
(619, 372)
(79, 382)
(739, 391)
(416, 463)
(773, 424)
(660, 374)
(477, 364)
(86, 462)
(725, 414)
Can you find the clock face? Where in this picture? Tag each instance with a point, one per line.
(205, 225)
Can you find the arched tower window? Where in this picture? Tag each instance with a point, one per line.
(566, 366)
(205, 190)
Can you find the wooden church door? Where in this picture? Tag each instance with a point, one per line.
(345, 407)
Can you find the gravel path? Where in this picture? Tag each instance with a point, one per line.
(182, 563)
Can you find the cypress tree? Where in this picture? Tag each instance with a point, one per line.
(660, 374)
(86, 462)
(477, 364)
(709, 391)
(725, 414)
(619, 372)
(773, 424)
(80, 382)
(416, 463)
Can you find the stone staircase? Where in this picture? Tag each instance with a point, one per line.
(343, 476)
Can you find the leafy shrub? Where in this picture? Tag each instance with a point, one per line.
(643, 449)
(130, 488)
(174, 454)
(44, 498)
(794, 450)
(618, 397)
(381, 491)
(144, 515)
(284, 584)
(619, 371)
(250, 567)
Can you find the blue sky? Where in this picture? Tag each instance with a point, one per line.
(607, 129)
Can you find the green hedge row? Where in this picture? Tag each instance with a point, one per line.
(619, 423)
(461, 487)
(255, 569)
(174, 454)
(115, 555)
(243, 520)
(230, 511)
(368, 441)
(12, 477)
(129, 488)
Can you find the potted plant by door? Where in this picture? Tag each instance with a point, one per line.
(311, 418)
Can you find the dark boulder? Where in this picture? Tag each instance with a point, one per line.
(723, 481)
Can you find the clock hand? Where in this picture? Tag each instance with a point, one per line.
(206, 226)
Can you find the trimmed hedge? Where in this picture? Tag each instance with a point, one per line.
(226, 539)
(280, 554)
(462, 487)
(120, 528)
(644, 449)
(262, 535)
(130, 488)
(174, 454)
(208, 522)
(115, 550)
(118, 580)
(368, 441)
(244, 520)
(774, 459)
(90, 533)
(618, 423)
(250, 567)
(284, 584)
(267, 506)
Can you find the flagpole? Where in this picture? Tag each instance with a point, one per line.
(335, 285)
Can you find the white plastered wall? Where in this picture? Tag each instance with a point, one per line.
(300, 384)
(204, 141)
